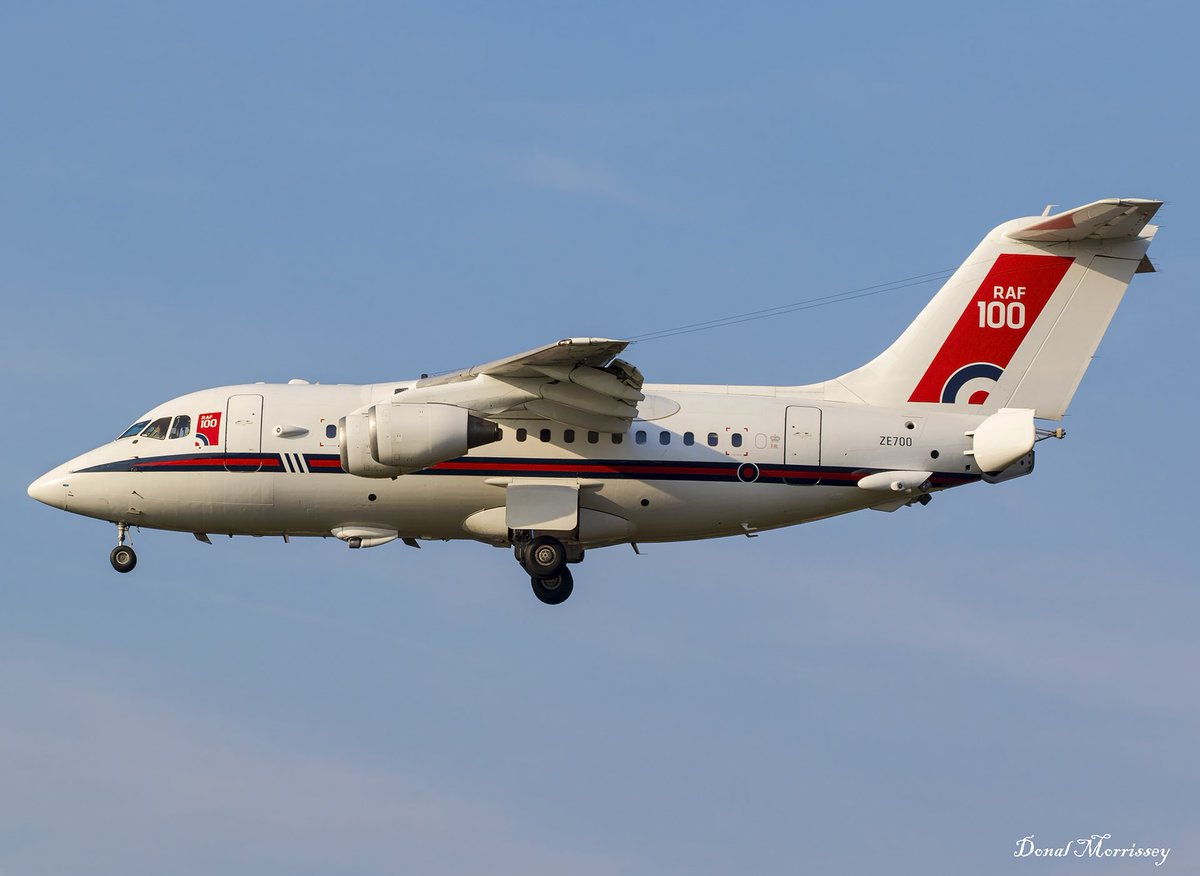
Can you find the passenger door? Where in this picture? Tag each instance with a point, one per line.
(802, 443)
(243, 433)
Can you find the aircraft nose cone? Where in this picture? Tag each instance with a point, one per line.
(51, 488)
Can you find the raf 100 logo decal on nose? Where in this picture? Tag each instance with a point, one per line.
(208, 429)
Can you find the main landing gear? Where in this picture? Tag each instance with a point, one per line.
(123, 558)
(555, 589)
(545, 558)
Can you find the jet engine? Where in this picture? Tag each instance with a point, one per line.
(387, 440)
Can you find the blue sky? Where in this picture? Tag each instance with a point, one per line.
(199, 195)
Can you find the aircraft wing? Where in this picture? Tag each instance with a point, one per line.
(576, 381)
(569, 352)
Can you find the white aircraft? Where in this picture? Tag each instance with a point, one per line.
(563, 448)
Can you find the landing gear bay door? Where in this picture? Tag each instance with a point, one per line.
(544, 506)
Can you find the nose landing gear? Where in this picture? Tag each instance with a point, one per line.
(123, 558)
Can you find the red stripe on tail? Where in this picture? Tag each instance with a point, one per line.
(996, 319)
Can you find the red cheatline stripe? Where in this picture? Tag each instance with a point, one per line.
(576, 468)
(852, 476)
(564, 467)
(213, 461)
(766, 472)
(323, 463)
(811, 474)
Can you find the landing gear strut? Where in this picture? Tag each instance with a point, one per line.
(123, 558)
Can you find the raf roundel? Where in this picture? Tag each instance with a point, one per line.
(971, 384)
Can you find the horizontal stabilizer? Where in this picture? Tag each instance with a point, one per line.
(1110, 219)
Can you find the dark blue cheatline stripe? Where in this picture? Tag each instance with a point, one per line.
(622, 469)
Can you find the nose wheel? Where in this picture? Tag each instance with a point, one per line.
(123, 558)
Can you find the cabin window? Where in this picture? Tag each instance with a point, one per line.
(135, 429)
(158, 429)
(522, 434)
(331, 431)
(617, 437)
(664, 438)
(593, 437)
(689, 438)
(182, 427)
(569, 436)
(712, 439)
(736, 439)
(639, 436)
(544, 435)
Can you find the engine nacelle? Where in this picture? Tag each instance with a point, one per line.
(415, 436)
(388, 440)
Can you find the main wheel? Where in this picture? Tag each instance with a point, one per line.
(545, 557)
(554, 590)
(123, 558)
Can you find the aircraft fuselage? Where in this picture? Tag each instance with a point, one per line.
(719, 461)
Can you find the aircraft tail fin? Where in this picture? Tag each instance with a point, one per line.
(1017, 324)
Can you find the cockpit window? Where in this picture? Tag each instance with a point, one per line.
(182, 427)
(135, 429)
(158, 429)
